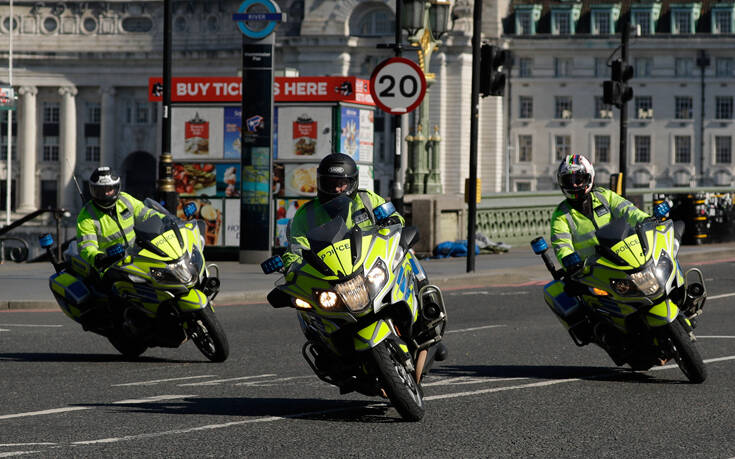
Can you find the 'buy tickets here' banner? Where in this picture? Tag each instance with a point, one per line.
(285, 89)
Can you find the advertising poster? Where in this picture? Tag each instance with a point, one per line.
(195, 179)
(228, 180)
(367, 127)
(210, 212)
(365, 177)
(349, 130)
(275, 132)
(285, 210)
(232, 222)
(196, 133)
(304, 132)
(278, 188)
(231, 135)
(255, 178)
(300, 179)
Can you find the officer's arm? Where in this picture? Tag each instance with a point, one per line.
(141, 211)
(622, 208)
(561, 236)
(376, 200)
(297, 241)
(87, 240)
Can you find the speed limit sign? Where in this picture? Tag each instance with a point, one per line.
(398, 85)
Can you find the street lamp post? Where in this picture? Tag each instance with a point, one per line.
(426, 22)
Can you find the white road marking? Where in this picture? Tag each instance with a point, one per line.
(462, 330)
(41, 413)
(155, 398)
(269, 382)
(13, 445)
(218, 381)
(30, 325)
(3, 329)
(17, 453)
(156, 381)
(475, 292)
(717, 297)
(715, 336)
(461, 380)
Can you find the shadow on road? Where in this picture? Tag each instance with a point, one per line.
(551, 372)
(92, 358)
(368, 412)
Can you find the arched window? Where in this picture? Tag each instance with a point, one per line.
(372, 20)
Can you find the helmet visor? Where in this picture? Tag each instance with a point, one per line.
(335, 185)
(105, 193)
(576, 180)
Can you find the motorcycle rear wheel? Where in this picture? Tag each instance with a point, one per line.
(685, 353)
(207, 334)
(399, 384)
(127, 346)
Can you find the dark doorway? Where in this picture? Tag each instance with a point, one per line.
(139, 175)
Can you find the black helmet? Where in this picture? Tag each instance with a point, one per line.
(335, 171)
(104, 187)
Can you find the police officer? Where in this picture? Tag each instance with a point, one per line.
(585, 209)
(108, 219)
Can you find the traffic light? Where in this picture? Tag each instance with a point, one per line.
(492, 70)
(616, 91)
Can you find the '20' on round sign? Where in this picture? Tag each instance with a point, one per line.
(398, 85)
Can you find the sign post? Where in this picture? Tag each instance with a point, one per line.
(257, 19)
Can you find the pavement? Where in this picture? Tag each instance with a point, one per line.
(25, 285)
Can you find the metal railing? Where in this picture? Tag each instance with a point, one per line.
(58, 214)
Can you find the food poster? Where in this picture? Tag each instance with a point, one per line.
(285, 210)
(197, 133)
(365, 177)
(304, 132)
(232, 222)
(228, 180)
(231, 135)
(349, 121)
(300, 179)
(278, 188)
(367, 132)
(210, 212)
(195, 179)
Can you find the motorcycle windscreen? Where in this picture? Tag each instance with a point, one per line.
(619, 243)
(159, 236)
(334, 249)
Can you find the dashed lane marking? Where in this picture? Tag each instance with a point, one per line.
(31, 325)
(462, 330)
(156, 381)
(218, 381)
(155, 398)
(43, 412)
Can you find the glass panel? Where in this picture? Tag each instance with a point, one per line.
(682, 149)
(525, 148)
(723, 149)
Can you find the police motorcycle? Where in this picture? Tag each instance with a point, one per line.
(631, 298)
(371, 319)
(158, 293)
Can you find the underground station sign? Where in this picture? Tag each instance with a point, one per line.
(257, 19)
(398, 85)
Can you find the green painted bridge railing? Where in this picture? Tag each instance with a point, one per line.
(516, 218)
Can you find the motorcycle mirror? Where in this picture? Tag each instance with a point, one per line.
(384, 211)
(272, 264)
(115, 250)
(46, 240)
(539, 245)
(190, 209)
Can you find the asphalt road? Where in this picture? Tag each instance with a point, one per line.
(514, 386)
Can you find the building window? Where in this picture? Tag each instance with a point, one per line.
(142, 113)
(50, 148)
(683, 108)
(723, 149)
(602, 149)
(525, 65)
(4, 194)
(525, 148)
(642, 22)
(683, 66)
(601, 23)
(682, 149)
(93, 113)
(602, 70)
(523, 23)
(563, 107)
(375, 22)
(562, 67)
(642, 144)
(681, 22)
(562, 146)
(523, 186)
(48, 193)
(561, 23)
(602, 110)
(724, 67)
(643, 107)
(51, 112)
(723, 107)
(92, 150)
(642, 66)
(722, 21)
(525, 107)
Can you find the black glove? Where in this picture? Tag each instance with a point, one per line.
(99, 261)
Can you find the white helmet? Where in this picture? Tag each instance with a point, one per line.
(575, 176)
(104, 187)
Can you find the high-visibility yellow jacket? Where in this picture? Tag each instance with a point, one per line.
(312, 214)
(97, 229)
(572, 231)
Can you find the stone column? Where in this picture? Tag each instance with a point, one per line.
(27, 149)
(68, 195)
(107, 127)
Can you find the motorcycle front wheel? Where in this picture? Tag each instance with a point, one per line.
(207, 334)
(685, 353)
(126, 345)
(399, 384)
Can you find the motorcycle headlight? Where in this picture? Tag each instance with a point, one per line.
(664, 267)
(646, 281)
(624, 287)
(197, 261)
(328, 299)
(174, 273)
(377, 277)
(354, 293)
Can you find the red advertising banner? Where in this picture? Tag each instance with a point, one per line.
(285, 89)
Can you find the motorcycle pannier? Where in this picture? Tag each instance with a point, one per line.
(69, 288)
(563, 305)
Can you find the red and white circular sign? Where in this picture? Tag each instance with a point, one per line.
(398, 85)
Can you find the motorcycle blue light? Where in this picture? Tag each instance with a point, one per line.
(115, 250)
(661, 210)
(384, 211)
(272, 264)
(571, 260)
(190, 209)
(46, 241)
(539, 245)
